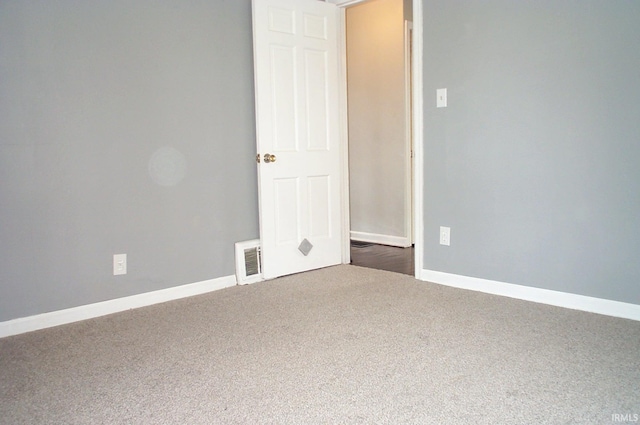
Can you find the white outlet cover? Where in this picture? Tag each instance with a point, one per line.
(441, 98)
(445, 236)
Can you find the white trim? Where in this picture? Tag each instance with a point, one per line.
(346, 3)
(90, 311)
(400, 241)
(408, 139)
(344, 135)
(538, 295)
(418, 139)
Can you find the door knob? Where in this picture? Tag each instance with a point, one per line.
(269, 158)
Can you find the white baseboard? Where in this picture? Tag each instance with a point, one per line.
(89, 311)
(538, 295)
(381, 239)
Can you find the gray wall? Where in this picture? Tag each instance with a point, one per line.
(89, 91)
(535, 164)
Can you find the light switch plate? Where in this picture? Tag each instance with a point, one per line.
(441, 98)
(119, 264)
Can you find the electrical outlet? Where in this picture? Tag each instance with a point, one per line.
(445, 235)
(119, 264)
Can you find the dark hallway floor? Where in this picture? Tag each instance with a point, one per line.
(383, 257)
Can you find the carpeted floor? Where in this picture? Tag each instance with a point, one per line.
(343, 345)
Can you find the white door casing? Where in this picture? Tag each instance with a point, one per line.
(297, 120)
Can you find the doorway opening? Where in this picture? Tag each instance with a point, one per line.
(378, 64)
(322, 208)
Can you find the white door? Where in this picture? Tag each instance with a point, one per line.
(296, 75)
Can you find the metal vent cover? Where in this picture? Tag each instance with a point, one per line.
(252, 261)
(248, 262)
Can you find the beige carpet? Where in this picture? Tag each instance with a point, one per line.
(343, 345)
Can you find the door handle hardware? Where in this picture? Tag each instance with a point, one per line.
(269, 158)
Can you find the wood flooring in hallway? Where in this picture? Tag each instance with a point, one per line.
(383, 257)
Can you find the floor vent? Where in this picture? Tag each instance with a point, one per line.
(248, 262)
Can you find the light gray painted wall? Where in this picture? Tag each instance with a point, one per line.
(376, 106)
(535, 164)
(89, 91)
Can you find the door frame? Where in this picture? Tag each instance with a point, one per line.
(417, 127)
(408, 136)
